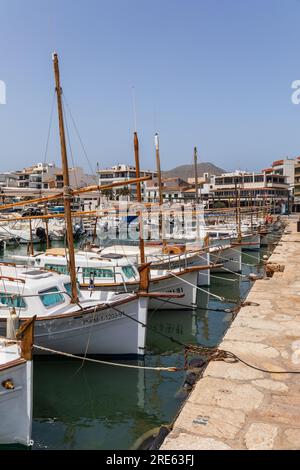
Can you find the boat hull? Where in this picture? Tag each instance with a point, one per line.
(185, 284)
(249, 242)
(230, 257)
(16, 404)
(109, 331)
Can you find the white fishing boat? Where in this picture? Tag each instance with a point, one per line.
(108, 324)
(16, 387)
(166, 257)
(20, 231)
(247, 239)
(98, 272)
(228, 254)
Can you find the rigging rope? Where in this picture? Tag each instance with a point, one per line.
(49, 127)
(79, 137)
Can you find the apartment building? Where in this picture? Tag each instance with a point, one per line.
(265, 185)
(122, 173)
(173, 190)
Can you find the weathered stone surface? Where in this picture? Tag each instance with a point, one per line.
(282, 317)
(282, 413)
(271, 385)
(238, 332)
(226, 394)
(293, 437)
(190, 442)
(236, 371)
(234, 406)
(247, 349)
(262, 325)
(210, 421)
(261, 436)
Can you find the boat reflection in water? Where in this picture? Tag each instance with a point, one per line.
(177, 324)
(93, 406)
(104, 407)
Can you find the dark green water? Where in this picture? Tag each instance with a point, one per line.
(93, 406)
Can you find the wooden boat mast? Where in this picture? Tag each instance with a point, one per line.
(160, 187)
(144, 271)
(160, 190)
(139, 195)
(196, 194)
(67, 193)
(196, 175)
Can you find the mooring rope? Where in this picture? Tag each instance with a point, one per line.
(212, 354)
(222, 299)
(98, 361)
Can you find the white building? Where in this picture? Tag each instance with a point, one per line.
(8, 179)
(257, 186)
(122, 173)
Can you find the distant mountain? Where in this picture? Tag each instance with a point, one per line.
(187, 171)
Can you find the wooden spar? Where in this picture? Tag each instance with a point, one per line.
(67, 191)
(196, 193)
(75, 192)
(95, 230)
(25, 334)
(236, 203)
(139, 195)
(31, 201)
(238, 209)
(251, 212)
(239, 215)
(109, 186)
(196, 176)
(264, 205)
(98, 213)
(160, 188)
(144, 271)
(31, 241)
(46, 227)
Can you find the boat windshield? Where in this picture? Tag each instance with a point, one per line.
(51, 297)
(68, 287)
(97, 272)
(129, 272)
(59, 268)
(12, 300)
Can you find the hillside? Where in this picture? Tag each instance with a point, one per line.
(187, 171)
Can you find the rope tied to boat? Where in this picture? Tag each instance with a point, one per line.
(98, 361)
(216, 354)
(210, 354)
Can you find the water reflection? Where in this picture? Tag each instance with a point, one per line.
(103, 407)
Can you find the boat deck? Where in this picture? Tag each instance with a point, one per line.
(9, 352)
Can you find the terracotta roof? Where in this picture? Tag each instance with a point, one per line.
(277, 162)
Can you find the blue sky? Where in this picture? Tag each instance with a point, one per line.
(211, 73)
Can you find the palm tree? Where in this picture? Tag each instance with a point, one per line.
(108, 193)
(125, 192)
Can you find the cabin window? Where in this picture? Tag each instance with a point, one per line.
(98, 272)
(129, 272)
(51, 297)
(68, 287)
(57, 268)
(12, 300)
